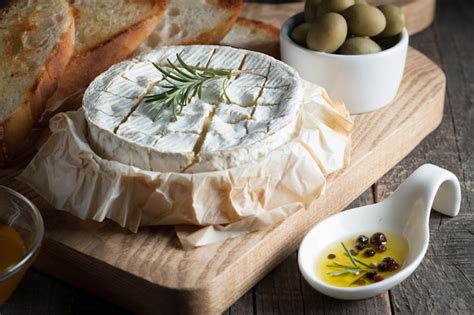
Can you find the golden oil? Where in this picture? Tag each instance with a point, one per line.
(12, 250)
(397, 248)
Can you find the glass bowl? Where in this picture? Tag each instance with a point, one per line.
(19, 218)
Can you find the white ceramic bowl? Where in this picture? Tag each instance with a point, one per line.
(363, 82)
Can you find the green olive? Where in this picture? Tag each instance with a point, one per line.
(360, 1)
(364, 20)
(359, 46)
(395, 20)
(299, 34)
(336, 6)
(327, 33)
(310, 9)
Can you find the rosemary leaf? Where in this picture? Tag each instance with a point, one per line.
(184, 74)
(167, 74)
(224, 90)
(337, 265)
(355, 272)
(199, 90)
(348, 253)
(360, 262)
(185, 65)
(338, 273)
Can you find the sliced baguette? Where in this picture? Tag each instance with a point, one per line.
(194, 22)
(36, 43)
(254, 35)
(106, 32)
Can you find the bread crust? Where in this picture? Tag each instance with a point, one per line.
(235, 5)
(215, 35)
(83, 68)
(212, 36)
(16, 129)
(270, 47)
(273, 30)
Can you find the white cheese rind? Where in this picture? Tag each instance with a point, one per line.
(209, 134)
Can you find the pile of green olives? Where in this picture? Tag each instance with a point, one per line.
(348, 27)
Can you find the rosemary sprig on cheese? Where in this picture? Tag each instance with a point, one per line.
(183, 81)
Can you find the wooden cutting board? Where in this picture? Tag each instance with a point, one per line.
(149, 272)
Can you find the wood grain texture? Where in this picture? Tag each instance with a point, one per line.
(149, 270)
(39, 294)
(444, 282)
(419, 14)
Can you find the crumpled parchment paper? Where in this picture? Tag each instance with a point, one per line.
(204, 207)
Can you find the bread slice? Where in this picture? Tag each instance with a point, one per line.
(36, 43)
(194, 22)
(254, 35)
(106, 32)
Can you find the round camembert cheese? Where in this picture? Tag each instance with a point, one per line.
(210, 133)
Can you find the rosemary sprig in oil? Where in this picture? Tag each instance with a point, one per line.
(355, 269)
(183, 81)
(348, 253)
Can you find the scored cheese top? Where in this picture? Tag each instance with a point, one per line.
(209, 134)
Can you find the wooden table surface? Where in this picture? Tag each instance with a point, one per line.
(442, 284)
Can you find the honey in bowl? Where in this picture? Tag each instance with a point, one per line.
(12, 250)
(362, 259)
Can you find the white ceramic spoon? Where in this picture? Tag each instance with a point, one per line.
(406, 212)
